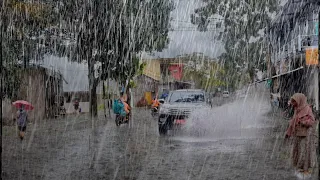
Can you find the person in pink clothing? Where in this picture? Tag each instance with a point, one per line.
(301, 129)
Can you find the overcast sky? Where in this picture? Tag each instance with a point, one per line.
(184, 39)
(74, 73)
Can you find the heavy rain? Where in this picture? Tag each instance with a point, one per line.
(160, 89)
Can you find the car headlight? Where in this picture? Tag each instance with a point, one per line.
(164, 110)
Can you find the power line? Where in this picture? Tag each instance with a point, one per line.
(210, 18)
(207, 30)
(64, 69)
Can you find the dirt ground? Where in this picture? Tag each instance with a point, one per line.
(66, 149)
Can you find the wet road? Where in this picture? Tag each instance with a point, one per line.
(238, 144)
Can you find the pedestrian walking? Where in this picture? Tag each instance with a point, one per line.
(22, 115)
(22, 118)
(302, 129)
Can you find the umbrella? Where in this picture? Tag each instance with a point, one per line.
(27, 105)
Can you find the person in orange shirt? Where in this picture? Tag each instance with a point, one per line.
(124, 99)
(155, 103)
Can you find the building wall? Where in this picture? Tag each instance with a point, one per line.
(8, 111)
(152, 69)
(287, 44)
(288, 40)
(32, 89)
(144, 84)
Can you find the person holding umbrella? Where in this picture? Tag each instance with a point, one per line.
(22, 116)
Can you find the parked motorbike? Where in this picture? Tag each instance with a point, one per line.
(122, 119)
(154, 111)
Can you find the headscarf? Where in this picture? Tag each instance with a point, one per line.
(301, 100)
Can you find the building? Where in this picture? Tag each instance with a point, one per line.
(172, 70)
(147, 83)
(292, 41)
(159, 75)
(166, 74)
(41, 87)
(84, 96)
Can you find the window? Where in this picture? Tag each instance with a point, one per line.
(192, 97)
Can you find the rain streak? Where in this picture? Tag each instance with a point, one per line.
(160, 89)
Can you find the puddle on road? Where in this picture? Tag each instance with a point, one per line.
(193, 139)
(191, 144)
(209, 140)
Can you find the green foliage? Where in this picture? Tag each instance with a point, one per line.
(23, 37)
(23, 27)
(196, 76)
(132, 26)
(111, 32)
(132, 84)
(242, 20)
(101, 107)
(142, 68)
(208, 77)
(11, 80)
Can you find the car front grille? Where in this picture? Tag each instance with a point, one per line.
(178, 112)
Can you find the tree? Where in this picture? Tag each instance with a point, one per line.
(216, 76)
(110, 33)
(209, 76)
(244, 22)
(105, 33)
(22, 29)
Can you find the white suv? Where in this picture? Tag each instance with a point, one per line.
(178, 106)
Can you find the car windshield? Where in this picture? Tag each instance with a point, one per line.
(191, 97)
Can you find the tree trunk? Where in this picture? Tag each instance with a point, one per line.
(104, 100)
(93, 83)
(109, 97)
(93, 102)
